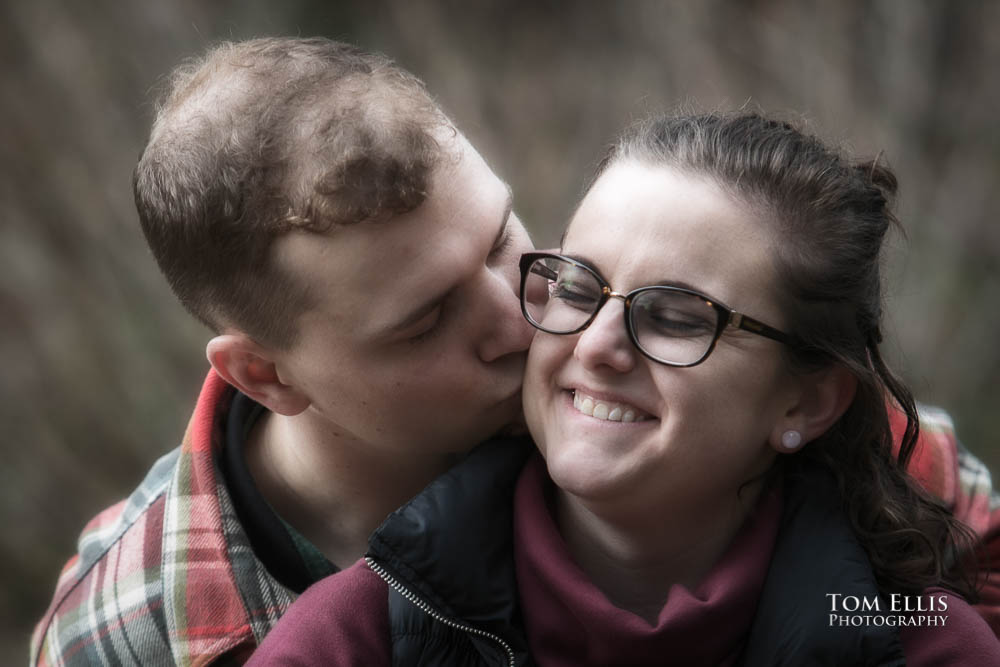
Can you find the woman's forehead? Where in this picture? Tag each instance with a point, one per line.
(650, 225)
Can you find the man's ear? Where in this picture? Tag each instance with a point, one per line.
(250, 368)
(824, 396)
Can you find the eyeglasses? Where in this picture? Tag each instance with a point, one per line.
(670, 325)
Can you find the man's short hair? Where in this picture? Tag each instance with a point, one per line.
(272, 136)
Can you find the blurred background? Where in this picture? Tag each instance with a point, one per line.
(101, 366)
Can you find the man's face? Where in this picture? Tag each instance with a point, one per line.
(417, 340)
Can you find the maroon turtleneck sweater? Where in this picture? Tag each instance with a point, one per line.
(570, 622)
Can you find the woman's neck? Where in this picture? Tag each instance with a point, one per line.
(635, 557)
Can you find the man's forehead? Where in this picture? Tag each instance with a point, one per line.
(378, 270)
(353, 267)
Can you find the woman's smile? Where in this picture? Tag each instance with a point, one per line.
(605, 409)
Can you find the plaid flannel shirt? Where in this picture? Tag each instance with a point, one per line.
(168, 577)
(949, 471)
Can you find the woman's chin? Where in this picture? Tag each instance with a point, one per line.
(592, 478)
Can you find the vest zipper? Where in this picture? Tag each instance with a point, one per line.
(412, 598)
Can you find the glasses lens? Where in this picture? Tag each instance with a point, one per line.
(559, 296)
(673, 326)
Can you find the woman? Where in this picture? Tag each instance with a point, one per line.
(716, 482)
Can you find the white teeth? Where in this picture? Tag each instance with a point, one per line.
(605, 410)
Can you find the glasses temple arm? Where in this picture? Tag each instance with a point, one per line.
(747, 323)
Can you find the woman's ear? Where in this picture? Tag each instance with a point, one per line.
(824, 396)
(250, 368)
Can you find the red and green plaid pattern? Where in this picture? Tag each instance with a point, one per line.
(166, 576)
(963, 482)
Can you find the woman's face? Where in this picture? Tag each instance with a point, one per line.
(703, 430)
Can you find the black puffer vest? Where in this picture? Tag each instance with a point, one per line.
(447, 556)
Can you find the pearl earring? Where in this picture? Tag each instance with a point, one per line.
(791, 440)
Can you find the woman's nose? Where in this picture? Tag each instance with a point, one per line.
(605, 343)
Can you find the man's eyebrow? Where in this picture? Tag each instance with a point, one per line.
(507, 209)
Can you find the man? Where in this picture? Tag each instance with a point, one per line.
(357, 258)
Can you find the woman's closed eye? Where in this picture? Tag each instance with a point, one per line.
(573, 294)
(678, 324)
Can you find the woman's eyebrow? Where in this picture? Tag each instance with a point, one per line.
(665, 282)
(583, 259)
(673, 282)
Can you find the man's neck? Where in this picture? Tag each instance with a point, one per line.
(333, 489)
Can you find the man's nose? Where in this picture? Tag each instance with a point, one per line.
(507, 332)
